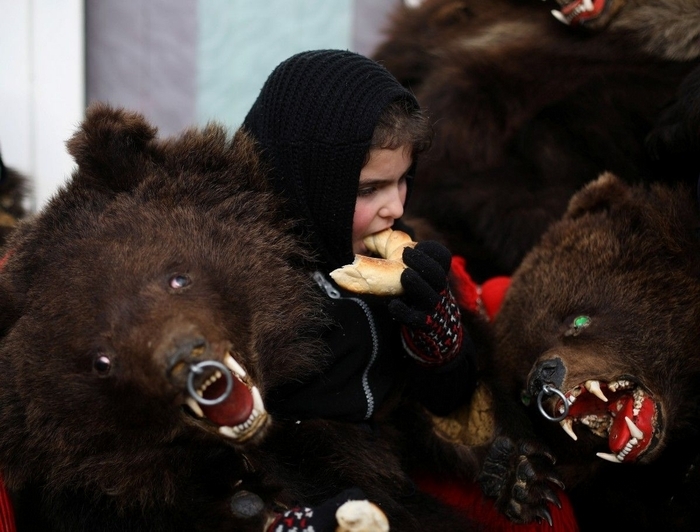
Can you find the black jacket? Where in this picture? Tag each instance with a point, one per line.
(366, 363)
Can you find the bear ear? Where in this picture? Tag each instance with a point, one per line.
(250, 167)
(111, 148)
(598, 195)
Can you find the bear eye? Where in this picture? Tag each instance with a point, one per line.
(102, 365)
(179, 281)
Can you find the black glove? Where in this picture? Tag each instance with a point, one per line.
(431, 322)
(317, 519)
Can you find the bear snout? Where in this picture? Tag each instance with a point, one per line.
(182, 353)
(551, 371)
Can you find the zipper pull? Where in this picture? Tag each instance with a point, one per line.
(327, 287)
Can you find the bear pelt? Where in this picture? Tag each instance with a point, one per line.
(526, 110)
(605, 312)
(161, 269)
(156, 256)
(14, 189)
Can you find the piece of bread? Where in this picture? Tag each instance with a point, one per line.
(361, 516)
(378, 276)
(388, 244)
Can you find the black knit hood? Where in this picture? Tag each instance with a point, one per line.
(314, 119)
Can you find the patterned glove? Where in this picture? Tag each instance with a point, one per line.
(317, 519)
(431, 322)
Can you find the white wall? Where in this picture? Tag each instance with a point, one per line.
(42, 88)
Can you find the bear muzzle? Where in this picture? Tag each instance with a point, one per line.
(216, 388)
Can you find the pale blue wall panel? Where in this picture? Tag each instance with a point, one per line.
(241, 41)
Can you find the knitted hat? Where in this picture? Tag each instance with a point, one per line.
(314, 118)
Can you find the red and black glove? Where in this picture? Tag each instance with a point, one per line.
(431, 322)
(317, 519)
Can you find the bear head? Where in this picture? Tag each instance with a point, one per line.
(145, 312)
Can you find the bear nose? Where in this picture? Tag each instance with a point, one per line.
(551, 372)
(185, 352)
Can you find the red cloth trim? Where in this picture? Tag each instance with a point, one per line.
(7, 515)
(484, 299)
(468, 499)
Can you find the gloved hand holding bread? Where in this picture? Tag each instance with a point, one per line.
(432, 323)
(378, 276)
(432, 327)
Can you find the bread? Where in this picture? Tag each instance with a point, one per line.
(378, 276)
(388, 244)
(361, 516)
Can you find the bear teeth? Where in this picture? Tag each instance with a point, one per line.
(249, 427)
(567, 425)
(194, 406)
(258, 404)
(594, 387)
(602, 423)
(211, 380)
(234, 366)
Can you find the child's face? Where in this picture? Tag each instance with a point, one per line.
(381, 195)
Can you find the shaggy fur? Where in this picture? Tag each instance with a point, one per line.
(627, 257)
(14, 188)
(155, 255)
(527, 110)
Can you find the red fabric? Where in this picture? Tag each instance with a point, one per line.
(7, 516)
(467, 498)
(482, 299)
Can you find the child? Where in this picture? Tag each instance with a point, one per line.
(340, 135)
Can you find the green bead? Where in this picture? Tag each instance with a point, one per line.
(582, 321)
(525, 398)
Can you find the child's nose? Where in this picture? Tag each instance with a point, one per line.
(393, 207)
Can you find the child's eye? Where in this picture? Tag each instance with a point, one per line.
(366, 191)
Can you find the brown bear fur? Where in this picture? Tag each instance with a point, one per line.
(155, 255)
(627, 257)
(14, 188)
(527, 110)
(153, 252)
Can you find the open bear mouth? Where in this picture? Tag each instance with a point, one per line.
(241, 415)
(620, 410)
(579, 11)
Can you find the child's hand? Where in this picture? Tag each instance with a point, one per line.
(432, 326)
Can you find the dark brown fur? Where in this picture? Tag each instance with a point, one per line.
(86, 449)
(14, 188)
(629, 258)
(527, 110)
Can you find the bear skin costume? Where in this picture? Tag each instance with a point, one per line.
(13, 189)
(154, 257)
(605, 310)
(159, 261)
(527, 110)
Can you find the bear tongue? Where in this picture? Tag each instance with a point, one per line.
(235, 409)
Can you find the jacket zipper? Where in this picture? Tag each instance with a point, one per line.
(332, 292)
